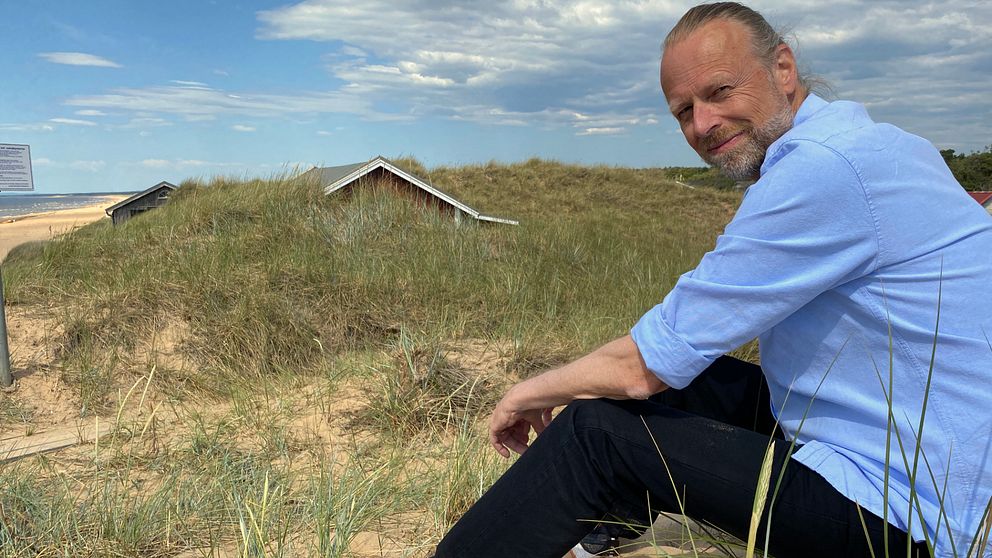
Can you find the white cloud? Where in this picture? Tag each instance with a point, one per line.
(324, 133)
(242, 128)
(522, 24)
(142, 123)
(923, 66)
(202, 103)
(79, 165)
(146, 122)
(90, 112)
(485, 62)
(27, 127)
(78, 59)
(188, 83)
(355, 52)
(590, 66)
(72, 122)
(528, 62)
(608, 131)
(88, 166)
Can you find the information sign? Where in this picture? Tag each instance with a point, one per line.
(15, 168)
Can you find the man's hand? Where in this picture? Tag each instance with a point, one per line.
(615, 370)
(510, 429)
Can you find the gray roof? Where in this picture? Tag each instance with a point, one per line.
(139, 195)
(330, 175)
(335, 178)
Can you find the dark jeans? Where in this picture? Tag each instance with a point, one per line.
(597, 457)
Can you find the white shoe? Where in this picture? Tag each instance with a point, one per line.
(578, 552)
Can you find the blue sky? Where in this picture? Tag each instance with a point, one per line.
(118, 95)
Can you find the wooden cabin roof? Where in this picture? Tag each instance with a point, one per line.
(110, 210)
(336, 178)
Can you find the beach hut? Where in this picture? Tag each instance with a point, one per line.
(984, 199)
(380, 172)
(151, 198)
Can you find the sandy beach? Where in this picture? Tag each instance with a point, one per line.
(43, 226)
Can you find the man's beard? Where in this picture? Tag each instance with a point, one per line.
(743, 161)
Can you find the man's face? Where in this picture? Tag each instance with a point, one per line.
(730, 105)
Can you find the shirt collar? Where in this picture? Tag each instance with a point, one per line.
(810, 106)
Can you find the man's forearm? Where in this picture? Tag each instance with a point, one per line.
(614, 371)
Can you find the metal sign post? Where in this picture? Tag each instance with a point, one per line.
(5, 378)
(16, 175)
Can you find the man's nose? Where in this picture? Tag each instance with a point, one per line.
(704, 120)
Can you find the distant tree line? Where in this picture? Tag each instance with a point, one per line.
(973, 171)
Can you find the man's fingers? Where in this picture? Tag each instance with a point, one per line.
(510, 439)
(515, 444)
(498, 446)
(512, 433)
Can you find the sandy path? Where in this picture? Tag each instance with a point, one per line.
(43, 226)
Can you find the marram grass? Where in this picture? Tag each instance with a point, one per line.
(279, 365)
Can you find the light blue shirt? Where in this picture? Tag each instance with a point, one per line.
(836, 261)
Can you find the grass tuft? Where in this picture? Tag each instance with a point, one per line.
(231, 334)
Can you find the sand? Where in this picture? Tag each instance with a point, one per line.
(43, 226)
(53, 406)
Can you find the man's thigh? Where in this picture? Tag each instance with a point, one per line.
(674, 461)
(730, 391)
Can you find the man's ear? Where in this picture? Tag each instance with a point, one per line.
(786, 72)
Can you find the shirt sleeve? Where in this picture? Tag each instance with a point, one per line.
(805, 227)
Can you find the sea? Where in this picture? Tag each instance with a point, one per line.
(16, 205)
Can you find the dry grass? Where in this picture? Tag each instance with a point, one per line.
(291, 374)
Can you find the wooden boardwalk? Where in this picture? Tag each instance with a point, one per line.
(19, 446)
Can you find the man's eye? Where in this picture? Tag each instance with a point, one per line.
(683, 114)
(721, 90)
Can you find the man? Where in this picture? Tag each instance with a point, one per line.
(859, 263)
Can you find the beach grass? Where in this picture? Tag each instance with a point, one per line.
(294, 374)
